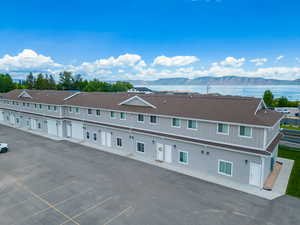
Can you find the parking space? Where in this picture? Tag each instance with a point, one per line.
(60, 183)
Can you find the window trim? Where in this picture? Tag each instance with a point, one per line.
(89, 114)
(112, 117)
(124, 116)
(156, 120)
(184, 163)
(77, 112)
(179, 122)
(98, 110)
(118, 146)
(94, 133)
(243, 136)
(138, 116)
(196, 128)
(225, 174)
(222, 132)
(137, 147)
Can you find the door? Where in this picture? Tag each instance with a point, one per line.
(77, 130)
(69, 127)
(33, 124)
(255, 174)
(103, 138)
(52, 127)
(12, 119)
(159, 152)
(168, 153)
(108, 139)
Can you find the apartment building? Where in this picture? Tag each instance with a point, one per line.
(223, 136)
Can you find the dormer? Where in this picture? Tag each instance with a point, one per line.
(137, 101)
(24, 94)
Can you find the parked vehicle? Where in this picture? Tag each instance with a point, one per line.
(284, 111)
(3, 147)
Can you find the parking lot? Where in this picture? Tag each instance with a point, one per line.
(61, 183)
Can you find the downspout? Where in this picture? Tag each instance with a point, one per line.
(262, 172)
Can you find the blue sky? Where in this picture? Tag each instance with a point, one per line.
(157, 38)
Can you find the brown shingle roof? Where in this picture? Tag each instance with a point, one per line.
(217, 108)
(45, 96)
(231, 109)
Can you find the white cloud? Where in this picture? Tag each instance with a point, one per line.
(121, 61)
(278, 58)
(27, 60)
(231, 61)
(174, 61)
(259, 61)
(298, 60)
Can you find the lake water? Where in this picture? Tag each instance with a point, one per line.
(292, 92)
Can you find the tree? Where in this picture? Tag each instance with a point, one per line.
(268, 98)
(121, 86)
(282, 102)
(29, 82)
(66, 81)
(6, 83)
(51, 83)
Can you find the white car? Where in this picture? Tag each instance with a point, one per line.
(3, 147)
(284, 111)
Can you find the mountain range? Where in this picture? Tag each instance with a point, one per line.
(226, 80)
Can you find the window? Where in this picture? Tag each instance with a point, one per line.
(223, 128)
(28, 105)
(39, 125)
(77, 110)
(112, 115)
(87, 135)
(183, 157)
(175, 122)
(55, 108)
(17, 119)
(225, 168)
(97, 112)
(49, 107)
(153, 119)
(35, 105)
(192, 124)
(89, 111)
(40, 105)
(140, 118)
(245, 131)
(122, 116)
(119, 142)
(24, 104)
(95, 137)
(140, 147)
(70, 109)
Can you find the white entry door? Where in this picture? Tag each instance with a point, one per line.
(12, 119)
(255, 174)
(77, 130)
(159, 152)
(168, 153)
(52, 127)
(69, 128)
(33, 124)
(108, 139)
(103, 138)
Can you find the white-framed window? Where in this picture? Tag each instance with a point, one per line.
(140, 147)
(112, 115)
(119, 142)
(225, 167)
(245, 131)
(90, 111)
(98, 112)
(28, 104)
(49, 107)
(95, 137)
(122, 116)
(40, 106)
(153, 119)
(70, 109)
(223, 128)
(175, 122)
(183, 157)
(55, 108)
(35, 105)
(192, 124)
(24, 104)
(77, 110)
(87, 135)
(140, 118)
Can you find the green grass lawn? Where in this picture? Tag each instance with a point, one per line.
(293, 188)
(290, 127)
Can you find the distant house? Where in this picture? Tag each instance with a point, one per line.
(143, 90)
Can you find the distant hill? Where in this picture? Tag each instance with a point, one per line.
(226, 80)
